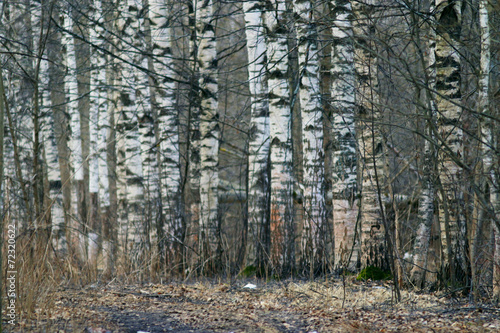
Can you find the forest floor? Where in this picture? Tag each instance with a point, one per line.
(289, 306)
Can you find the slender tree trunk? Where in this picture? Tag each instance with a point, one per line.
(150, 208)
(344, 155)
(86, 209)
(486, 149)
(193, 141)
(136, 231)
(314, 232)
(62, 133)
(369, 134)
(98, 127)
(258, 154)
(19, 91)
(52, 161)
(426, 209)
(282, 253)
(77, 238)
(163, 99)
(448, 19)
(110, 230)
(209, 131)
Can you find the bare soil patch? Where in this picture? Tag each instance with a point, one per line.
(290, 306)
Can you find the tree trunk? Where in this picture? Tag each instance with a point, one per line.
(452, 221)
(150, 206)
(371, 161)
(258, 152)
(315, 254)
(132, 88)
(58, 237)
(344, 155)
(163, 98)
(209, 131)
(426, 209)
(282, 254)
(71, 92)
(62, 121)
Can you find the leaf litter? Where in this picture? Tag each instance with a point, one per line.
(288, 306)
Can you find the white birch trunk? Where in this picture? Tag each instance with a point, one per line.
(209, 128)
(75, 144)
(145, 119)
(164, 100)
(193, 172)
(490, 183)
(99, 124)
(258, 154)
(371, 162)
(131, 162)
(19, 91)
(58, 236)
(103, 125)
(344, 159)
(92, 247)
(54, 201)
(282, 256)
(453, 226)
(426, 209)
(314, 231)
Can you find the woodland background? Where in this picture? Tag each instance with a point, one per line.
(162, 139)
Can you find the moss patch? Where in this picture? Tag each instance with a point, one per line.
(373, 273)
(248, 271)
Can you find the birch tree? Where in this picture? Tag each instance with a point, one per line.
(193, 125)
(71, 93)
(59, 63)
(209, 131)
(52, 161)
(134, 228)
(426, 209)
(314, 232)
(344, 179)
(99, 125)
(164, 101)
(19, 91)
(258, 152)
(149, 211)
(489, 182)
(452, 221)
(370, 138)
(282, 253)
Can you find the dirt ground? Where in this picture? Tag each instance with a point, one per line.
(290, 306)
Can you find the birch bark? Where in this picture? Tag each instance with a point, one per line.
(164, 101)
(452, 221)
(131, 145)
(258, 155)
(426, 209)
(314, 236)
(489, 183)
(149, 206)
(282, 255)
(370, 138)
(99, 125)
(58, 237)
(19, 92)
(209, 131)
(75, 143)
(344, 155)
